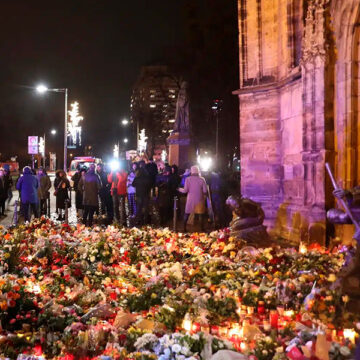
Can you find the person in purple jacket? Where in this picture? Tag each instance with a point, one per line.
(28, 187)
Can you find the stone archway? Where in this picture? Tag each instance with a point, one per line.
(344, 18)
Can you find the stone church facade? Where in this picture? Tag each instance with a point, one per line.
(299, 101)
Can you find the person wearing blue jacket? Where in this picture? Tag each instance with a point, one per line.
(28, 187)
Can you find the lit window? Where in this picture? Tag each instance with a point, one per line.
(152, 95)
(172, 91)
(165, 105)
(172, 96)
(171, 120)
(153, 106)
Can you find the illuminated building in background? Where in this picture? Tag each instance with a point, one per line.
(153, 104)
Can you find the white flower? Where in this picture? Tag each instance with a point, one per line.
(185, 350)
(176, 348)
(167, 352)
(265, 352)
(279, 350)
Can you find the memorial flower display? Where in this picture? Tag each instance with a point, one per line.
(118, 293)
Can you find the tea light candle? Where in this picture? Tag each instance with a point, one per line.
(261, 307)
(289, 314)
(350, 334)
(267, 325)
(250, 310)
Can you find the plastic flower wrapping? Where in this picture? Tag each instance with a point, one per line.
(118, 293)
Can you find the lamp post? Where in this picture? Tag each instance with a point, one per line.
(216, 107)
(43, 89)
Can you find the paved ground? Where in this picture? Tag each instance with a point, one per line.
(10, 219)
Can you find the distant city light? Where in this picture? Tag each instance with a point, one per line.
(125, 140)
(153, 106)
(116, 151)
(205, 163)
(114, 165)
(53, 131)
(41, 89)
(125, 121)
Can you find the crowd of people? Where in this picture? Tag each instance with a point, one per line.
(129, 195)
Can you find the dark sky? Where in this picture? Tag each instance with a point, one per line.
(95, 48)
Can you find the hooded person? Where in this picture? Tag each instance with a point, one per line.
(196, 189)
(28, 187)
(61, 185)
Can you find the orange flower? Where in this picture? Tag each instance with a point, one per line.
(3, 306)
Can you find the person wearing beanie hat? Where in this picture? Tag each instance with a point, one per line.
(196, 189)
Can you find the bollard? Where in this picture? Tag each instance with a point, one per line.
(66, 211)
(175, 213)
(48, 206)
(15, 217)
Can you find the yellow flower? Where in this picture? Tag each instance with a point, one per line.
(6, 255)
(332, 278)
(153, 296)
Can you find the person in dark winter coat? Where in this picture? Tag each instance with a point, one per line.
(8, 184)
(43, 189)
(28, 187)
(142, 184)
(164, 200)
(152, 170)
(218, 198)
(105, 194)
(3, 192)
(80, 172)
(62, 186)
(90, 186)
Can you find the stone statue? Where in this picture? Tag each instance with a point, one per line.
(247, 222)
(349, 276)
(182, 110)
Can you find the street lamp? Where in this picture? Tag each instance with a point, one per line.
(217, 107)
(43, 89)
(53, 132)
(125, 122)
(125, 140)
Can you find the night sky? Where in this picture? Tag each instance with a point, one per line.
(94, 48)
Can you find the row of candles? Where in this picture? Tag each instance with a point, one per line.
(274, 320)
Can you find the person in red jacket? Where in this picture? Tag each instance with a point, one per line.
(118, 179)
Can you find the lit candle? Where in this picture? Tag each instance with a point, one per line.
(196, 327)
(250, 310)
(289, 314)
(267, 325)
(187, 323)
(350, 334)
(243, 346)
(302, 248)
(261, 307)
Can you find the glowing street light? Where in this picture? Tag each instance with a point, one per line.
(125, 122)
(41, 89)
(53, 132)
(125, 140)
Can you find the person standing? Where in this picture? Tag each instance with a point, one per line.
(90, 185)
(152, 170)
(80, 172)
(3, 192)
(118, 191)
(28, 187)
(43, 190)
(8, 184)
(104, 194)
(196, 189)
(142, 185)
(62, 186)
(131, 191)
(164, 195)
